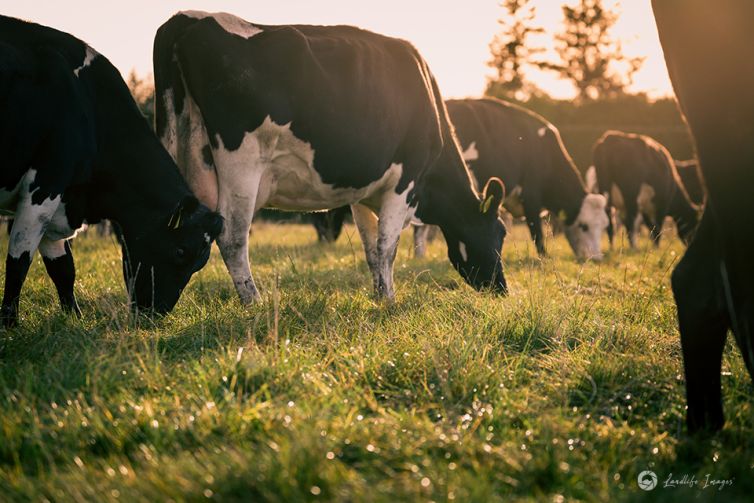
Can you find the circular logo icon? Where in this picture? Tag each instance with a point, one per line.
(647, 480)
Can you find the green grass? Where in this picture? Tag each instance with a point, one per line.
(566, 389)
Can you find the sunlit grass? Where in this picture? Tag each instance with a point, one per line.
(569, 387)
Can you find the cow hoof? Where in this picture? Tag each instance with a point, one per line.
(9, 317)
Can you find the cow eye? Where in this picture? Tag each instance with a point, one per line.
(584, 227)
(180, 253)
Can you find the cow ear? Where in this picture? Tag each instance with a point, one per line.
(186, 207)
(492, 196)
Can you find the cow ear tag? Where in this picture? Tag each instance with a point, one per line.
(484, 206)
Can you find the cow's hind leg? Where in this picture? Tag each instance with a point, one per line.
(421, 237)
(58, 259)
(366, 222)
(27, 231)
(703, 324)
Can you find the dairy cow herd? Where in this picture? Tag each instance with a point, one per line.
(311, 118)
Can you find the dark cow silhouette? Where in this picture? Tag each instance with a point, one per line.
(503, 140)
(691, 177)
(308, 118)
(638, 176)
(329, 224)
(76, 149)
(713, 78)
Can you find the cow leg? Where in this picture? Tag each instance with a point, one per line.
(58, 259)
(610, 224)
(421, 236)
(25, 236)
(393, 219)
(632, 229)
(366, 222)
(703, 324)
(655, 228)
(238, 211)
(534, 221)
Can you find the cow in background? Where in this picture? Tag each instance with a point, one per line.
(502, 140)
(307, 118)
(638, 176)
(713, 284)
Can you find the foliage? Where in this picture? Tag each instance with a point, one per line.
(142, 89)
(565, 390)
(589, 56)
(512, 51)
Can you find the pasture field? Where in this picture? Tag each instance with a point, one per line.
(565, 390)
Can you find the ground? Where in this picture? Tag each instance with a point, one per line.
(565, 390)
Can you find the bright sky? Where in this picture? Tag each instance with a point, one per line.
(452, 36)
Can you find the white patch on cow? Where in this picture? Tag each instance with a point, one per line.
(229, 22)
(590, 179)
(33, 222)
(88, 58)
(52, 249)
(191, 139)
(514, 202)
(462, 251)
(169, 136)
(541, 132)
(645, 201)
(471, 153)
(585, 234)
(207, 239)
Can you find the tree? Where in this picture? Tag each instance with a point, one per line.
(142, 89)
(511, 51)
(590, 57)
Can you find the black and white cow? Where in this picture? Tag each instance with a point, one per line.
(691, 178)
(76, 149)
(315, 117)
(713, 78)
(638, 176)
(505, 141)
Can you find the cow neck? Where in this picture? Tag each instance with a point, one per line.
(564, 191)
(137, 183)
(446, 191)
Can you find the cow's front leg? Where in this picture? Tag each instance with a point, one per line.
(393, 219)
(27, 231)
(58, 259)
(366, 222)
(534, 221)
(703, 324)
(233, 242)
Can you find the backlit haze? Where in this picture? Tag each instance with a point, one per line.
(452, 36)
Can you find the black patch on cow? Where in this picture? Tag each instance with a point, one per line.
(207, 156)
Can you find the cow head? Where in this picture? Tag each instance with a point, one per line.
(585, 233)
(475, 245)
(158, 263)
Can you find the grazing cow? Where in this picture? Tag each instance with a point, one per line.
(308, 118)
(329, 223)
(713, 284)
(525, 151)
(691, 178)
(638, 176)
(76, 149)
